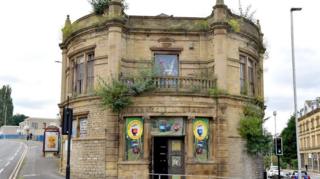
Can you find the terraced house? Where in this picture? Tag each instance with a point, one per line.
(178, 127)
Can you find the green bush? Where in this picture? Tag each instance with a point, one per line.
(258, 141)
(99, 6)
(114, 95)
(117, 94)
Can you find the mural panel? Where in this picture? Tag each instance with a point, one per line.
(201, 136)
(134, 138)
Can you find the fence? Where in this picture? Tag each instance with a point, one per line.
(173, 176)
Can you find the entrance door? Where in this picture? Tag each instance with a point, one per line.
(168, 156)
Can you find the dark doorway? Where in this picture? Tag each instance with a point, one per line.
(168, 156)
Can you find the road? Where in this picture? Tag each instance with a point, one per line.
(38, 167)
(10, 154)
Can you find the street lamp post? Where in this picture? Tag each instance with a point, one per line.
(275, 123)
(294, 91)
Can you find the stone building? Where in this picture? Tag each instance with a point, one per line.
(177, 128)
(309, 135)
(36, 126)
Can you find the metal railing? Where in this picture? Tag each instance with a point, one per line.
(173, 176)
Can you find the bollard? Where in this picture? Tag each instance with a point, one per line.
(264, 175)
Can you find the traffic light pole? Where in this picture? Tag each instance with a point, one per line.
(278, 166)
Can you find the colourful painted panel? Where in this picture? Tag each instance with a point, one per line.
(201, 135)
(167, 127)
(134, 138)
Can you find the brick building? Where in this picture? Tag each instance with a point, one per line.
(176, 128)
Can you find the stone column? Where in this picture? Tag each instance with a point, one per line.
(64, 82)
(212, 145)
(146, 138)
(189, 139)
(122, 139)
(115, 40)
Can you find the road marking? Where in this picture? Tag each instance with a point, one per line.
(1, 170)
(30, 175)
(8, 163)
(18, 166)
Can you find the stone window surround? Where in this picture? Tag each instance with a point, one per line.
(254, 62)
(76, 117)
(168, 51)
(72, 65)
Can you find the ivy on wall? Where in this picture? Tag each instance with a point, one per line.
(258, 141)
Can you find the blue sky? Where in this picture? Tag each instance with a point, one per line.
(30, 34)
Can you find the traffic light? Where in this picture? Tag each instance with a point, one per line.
(278, 146)
(67, 121)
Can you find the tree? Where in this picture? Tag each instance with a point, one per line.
(6, 105)
(17, 118)
(289, 143)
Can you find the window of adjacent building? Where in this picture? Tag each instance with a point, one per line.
(247, 75)
(34, 125)
(83, 73)
(313, 138)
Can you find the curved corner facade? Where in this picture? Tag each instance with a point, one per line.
(177, 128)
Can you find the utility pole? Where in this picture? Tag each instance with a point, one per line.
(4, 109)
(295, 89)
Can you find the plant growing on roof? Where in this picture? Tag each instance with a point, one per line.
(234, 24)
(99, 6)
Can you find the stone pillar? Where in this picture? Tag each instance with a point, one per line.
(114, 56)
(64, 82)
(122, 139)
(212, 145)
(146, 138)
(189, 139)
(115, 39)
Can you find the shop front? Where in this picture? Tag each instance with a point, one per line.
(167, 143)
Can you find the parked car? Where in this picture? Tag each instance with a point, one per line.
(272, 171)
(304, 175)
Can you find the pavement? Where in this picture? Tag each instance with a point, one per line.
(36, 166)
(11, 153)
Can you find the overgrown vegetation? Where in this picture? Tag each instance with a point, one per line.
(117, 95)
(234, 24)
(247, 12)
(214, 92)
(99, 6)
(202, 25)
(114, 95)
(258, 140)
